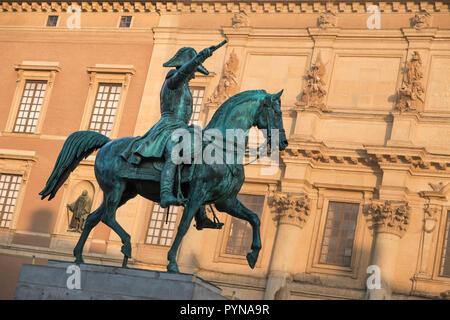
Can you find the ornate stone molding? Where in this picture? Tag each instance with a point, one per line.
(218, 6)
(228, 83)
(290, 208)
(389, 217)
(411, 96)
(239, 20)
(421, 20)
(314, 92)
(327, 19)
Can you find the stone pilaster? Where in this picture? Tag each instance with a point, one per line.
(291, 212)
(390, 222)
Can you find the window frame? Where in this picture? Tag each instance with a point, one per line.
(439, 247)
(16, 162)
(120, 21)
(106, 74)
(325, 197)
(57, 21)
(204, 81)
(31, 73)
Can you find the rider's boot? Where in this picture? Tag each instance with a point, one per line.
(202, 221)
(167, 182)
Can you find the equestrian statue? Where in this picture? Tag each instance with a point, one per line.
(131, 166)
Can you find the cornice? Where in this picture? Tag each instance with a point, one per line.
(229, 6)
(415, 160)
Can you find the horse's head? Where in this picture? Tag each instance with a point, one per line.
(270, 117)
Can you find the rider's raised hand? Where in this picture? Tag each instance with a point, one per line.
(204, 54)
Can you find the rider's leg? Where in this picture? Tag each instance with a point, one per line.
(168, 180)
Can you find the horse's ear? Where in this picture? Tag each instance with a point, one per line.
(277, 95)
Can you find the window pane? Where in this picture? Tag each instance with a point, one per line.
(197, 93)
(240, 236)
(26, 121)
(52, 21)
(337, 243)
(9, 184)
(105, 105)
(125, 22)
(159, 232)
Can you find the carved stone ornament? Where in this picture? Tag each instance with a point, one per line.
(327, 19)
(431, 213)
(412, 94)
(314, 92)
(421, 20)
(239, 20)
(390, 218)
(228, 85)
(290, 208)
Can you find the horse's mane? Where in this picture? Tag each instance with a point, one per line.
(234, 101)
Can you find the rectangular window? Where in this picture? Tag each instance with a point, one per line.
(159, 232)
(30, 106)
(337, 244)
(125, 22)
(105, 107)
(240, 236)
(445, 262)
(9, 191)
(197, 101)
(52, 21)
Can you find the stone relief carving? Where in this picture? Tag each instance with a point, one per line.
(314, 92)
(290, 208)
(228, 85)
(411, 96)
(421, 20)
(389, 217)
(327, 19)
(239, 20)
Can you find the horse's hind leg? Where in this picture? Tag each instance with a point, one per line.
(92, 220)
(114, 200)
(235, 208)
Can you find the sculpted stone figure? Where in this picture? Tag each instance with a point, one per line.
(314, 92)
(228, 85)
(411, 96)
(80, 208)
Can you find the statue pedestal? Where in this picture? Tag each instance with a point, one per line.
(63, 280)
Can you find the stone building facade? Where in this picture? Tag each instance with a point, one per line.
(362, 190)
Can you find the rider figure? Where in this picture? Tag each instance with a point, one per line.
(176, 111)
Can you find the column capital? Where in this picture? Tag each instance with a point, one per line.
(389, 216)
(290, 208)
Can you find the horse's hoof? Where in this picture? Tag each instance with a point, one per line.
(252, 257)
(172, 267)
(126, 249)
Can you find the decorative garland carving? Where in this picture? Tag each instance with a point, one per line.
(228, 85)
(412, 94)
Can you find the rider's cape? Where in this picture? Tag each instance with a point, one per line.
(153, 143)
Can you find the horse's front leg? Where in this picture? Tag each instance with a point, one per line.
(235, 208)
(188, 214)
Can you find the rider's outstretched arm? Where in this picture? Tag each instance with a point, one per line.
(186, 70)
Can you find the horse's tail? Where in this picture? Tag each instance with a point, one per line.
(77, 147)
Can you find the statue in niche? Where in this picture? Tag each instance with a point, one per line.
(314, 92)
(80, 209)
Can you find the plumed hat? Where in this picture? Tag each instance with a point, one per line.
(182, 56)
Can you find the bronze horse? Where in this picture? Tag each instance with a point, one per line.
(217, 183)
